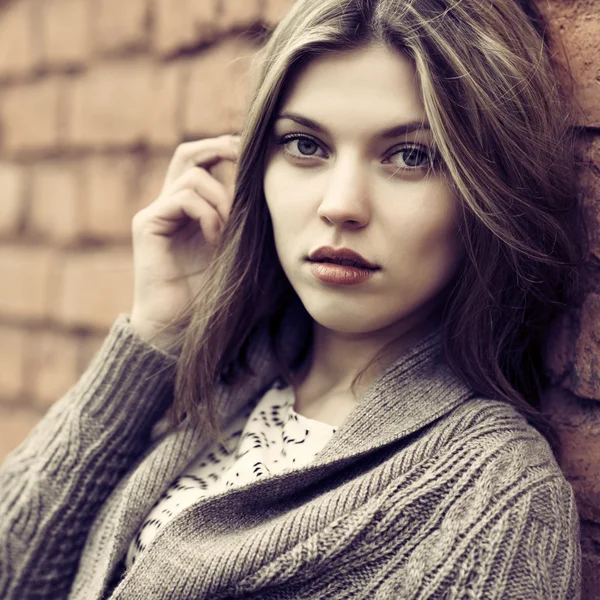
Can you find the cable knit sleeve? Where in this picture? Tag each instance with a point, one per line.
(512, 536)
(54, 483)
(540, 546)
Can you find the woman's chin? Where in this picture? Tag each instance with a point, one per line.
(340, 319)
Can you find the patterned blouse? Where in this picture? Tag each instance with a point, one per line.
(265, 440)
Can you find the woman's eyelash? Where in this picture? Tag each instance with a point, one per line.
(397, 150)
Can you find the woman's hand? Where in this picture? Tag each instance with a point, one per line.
(175, 237)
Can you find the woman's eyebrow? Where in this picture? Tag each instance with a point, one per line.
(392, 132)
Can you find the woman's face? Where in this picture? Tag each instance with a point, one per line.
(346, 181)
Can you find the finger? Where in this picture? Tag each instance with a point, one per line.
(204, 153)
(210, 224)
(207, 188)
(226, 173)
(172, 213)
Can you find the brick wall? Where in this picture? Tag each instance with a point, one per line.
(94, 97)
(573, 358)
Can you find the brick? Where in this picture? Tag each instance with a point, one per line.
(575, 25)
(19, 50)
(65, 29)
(12, 197)
(124, 103)
(579, 462)
(55, 211)
(239, 14)
(29, 116)
(107, 105)
(219, 85)
(52, 366)
(15, 425)
(120, 25)
(12, 362)
(191, 24)
(586, 369)
(28, 276)
(96, 287)
(589, 188)
(560, 349)
(566, 409)
(275, 10)
(590, 577)
(152, 178)
(109, 196)
(162, 126)
(590, 535)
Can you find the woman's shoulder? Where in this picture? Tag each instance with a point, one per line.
(480, 414)
(511, 464)
(499, 437)
(505, 467)
(489, 498)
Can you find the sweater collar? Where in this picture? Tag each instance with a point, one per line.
(416, 389)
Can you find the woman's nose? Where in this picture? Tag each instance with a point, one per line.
(345, 197)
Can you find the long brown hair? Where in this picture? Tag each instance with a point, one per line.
(500, 123)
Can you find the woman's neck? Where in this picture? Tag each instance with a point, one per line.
(336, 358)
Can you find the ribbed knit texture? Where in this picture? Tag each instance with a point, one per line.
(424, 491)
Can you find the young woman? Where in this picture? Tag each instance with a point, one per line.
(327, 385)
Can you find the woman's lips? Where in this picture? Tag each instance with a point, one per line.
(338, 255)
(327, 272)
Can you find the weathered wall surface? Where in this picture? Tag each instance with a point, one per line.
(573, 359)
(94, 97)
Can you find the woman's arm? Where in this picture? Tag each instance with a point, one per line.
(54, 483)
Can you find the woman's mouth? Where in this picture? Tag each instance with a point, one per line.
(341, 256)
(340, 272)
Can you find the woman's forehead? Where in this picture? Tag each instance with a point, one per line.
(373, 90)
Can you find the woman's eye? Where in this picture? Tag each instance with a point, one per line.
(306, 147)
(413, 157)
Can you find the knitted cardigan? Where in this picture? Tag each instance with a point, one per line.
(425, 491)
